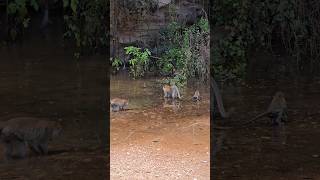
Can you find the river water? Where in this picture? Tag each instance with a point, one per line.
(155, 140)
(260, 151)
(41, 78)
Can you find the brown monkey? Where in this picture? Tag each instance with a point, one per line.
(18, 134)
(171, 91)
(277, 110)
(118, 104)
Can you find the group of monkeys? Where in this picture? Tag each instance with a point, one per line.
(277, 109)
(169, 91)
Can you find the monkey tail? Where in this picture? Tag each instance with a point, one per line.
(218, 98)
(178, 92)
(256, 118)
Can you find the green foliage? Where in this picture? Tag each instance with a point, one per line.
(179, 80)
(116, 63)
(171, 60)
(252, 25)
(34, 4)
(18, 16)
(187, 52)
(204, 25)
(87, 24)
(230, 50)
(85, 20)
(139, 60)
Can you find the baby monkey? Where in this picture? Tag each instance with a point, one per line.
(196, 96)
(171, 91)
(118, 104)
(277, 110)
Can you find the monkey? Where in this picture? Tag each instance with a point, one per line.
(166, 90)
(118, 104)
(15, 149)
(18, 134)
(171, 103)
(196, 96)
(216, 98)
(171, 91)
(277, 110)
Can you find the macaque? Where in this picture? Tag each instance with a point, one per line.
(171, 91)
(14, 148)
(196, 96)
(118, 104)
(172, 103)
(18, 134)
(277, 110)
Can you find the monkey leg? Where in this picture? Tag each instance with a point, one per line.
(15, 149)
(44, 148)
(35, 148)
(284, 116)
(21, 149)
(277, 118)
(8, 150)
(115, 107)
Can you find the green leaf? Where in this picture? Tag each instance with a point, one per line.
(65, 3)
(26, 22)
(34, 4)
(74, 4)
(12, 8)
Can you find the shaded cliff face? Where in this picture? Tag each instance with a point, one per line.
(138, 22)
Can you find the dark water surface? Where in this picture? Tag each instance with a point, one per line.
(40, 78)
(261, 151)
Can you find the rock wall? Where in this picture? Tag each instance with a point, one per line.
(137, 22)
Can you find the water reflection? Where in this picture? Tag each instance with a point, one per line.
(279, 136)
(261, 151)
(168, 137)
(48, 82)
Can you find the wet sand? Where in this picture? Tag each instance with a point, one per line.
(152, 141)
